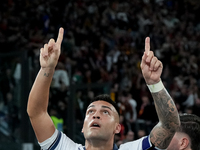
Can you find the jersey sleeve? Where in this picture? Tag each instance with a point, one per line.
(143, 143)
(59, 141)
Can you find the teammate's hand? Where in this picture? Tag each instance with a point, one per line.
(50, 53)
(150, 65)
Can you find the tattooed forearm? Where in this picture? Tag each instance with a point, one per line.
(168, 116)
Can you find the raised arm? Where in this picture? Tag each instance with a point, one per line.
(39, 94)
(164, 131)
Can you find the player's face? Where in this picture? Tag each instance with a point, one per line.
(101, 121)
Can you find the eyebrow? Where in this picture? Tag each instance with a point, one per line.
(106, 107)
(103, 106)
(90, 106)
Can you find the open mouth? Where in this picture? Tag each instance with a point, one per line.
(95, 125)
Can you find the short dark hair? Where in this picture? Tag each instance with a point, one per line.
(190, 124)
(106, 98)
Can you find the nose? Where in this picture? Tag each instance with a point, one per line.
(96, 115)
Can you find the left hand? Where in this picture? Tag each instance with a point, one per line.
(150, 65)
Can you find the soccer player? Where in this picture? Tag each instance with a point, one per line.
(188, 135)
(102, 118)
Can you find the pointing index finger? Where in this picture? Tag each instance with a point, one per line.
(147, 45)
(60, 36)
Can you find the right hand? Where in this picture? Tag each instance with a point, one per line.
(50, 53)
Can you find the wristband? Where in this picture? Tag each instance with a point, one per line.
(156, 87)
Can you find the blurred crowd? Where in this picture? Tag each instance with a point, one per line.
(103, 43)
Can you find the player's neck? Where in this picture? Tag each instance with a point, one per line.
(98, 145)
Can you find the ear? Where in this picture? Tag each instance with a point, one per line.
(118, 128)
(184, 143)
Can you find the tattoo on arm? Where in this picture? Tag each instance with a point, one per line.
(46, 74)
(168, 116)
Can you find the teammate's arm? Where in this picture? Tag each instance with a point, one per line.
(164, 131)
(39, 94)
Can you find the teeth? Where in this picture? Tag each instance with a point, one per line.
(95, 125)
